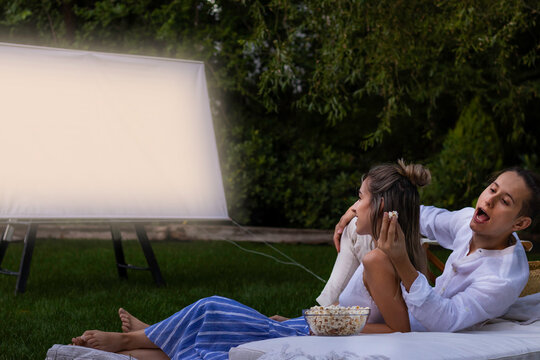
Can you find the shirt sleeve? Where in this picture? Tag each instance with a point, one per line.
(442, 225)
(487, 298)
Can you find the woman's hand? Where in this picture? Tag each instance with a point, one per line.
(279, 318)
(392, 242)
(343, 222)
(392, 239)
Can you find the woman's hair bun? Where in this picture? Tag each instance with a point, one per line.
(417, 174)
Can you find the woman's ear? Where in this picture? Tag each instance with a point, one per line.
(521, 223)
(381, 206)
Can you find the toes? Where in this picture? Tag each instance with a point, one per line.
(87, 335)
(123, 314)
(78, 341)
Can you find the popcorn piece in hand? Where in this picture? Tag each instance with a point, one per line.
(392, 214)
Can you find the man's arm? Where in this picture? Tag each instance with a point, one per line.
(442, 225)
(489, 296)
(484, 299)
(435, 223)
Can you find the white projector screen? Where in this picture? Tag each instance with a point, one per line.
(89, 135)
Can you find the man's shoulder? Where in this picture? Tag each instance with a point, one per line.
(443, 217)
(465, 212)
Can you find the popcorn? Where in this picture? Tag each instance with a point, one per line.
(336, 320)
(392, 214)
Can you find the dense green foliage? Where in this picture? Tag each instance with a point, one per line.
(307, 95)
(457, 174)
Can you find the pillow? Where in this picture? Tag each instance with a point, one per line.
(73, 352)
(533, 285)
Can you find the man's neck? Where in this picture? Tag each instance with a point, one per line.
(489, 243)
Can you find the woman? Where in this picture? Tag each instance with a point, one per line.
(375, 283)
(211, 326)
(488, 267)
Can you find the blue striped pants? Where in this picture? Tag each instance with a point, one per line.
(208, 328)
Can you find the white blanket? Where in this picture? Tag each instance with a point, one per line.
(526, 310)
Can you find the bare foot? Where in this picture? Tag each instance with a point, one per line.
(129, 322)
(101, 340)
(278, 318)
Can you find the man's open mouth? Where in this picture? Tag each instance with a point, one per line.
(480, 216)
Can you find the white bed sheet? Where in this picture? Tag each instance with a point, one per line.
(501, 340)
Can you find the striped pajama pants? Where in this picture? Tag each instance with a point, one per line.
(208, 328)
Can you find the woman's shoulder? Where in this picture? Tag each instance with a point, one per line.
(377, 259)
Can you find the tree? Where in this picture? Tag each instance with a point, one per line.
(307, 95)
(408, 59)
(459, 178)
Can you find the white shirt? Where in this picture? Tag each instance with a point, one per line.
(472, 288)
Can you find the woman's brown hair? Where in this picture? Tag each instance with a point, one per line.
(396, 185)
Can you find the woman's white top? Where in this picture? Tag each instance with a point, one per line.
(472, 288)
(356, 294)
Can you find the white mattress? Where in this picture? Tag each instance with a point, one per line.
(501, 340)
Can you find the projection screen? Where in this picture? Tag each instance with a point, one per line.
(89, 135)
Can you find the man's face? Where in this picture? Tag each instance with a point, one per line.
(498, 206)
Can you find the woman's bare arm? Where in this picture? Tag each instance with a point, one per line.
(383, 284)
(377, 329)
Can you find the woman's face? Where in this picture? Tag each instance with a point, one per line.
(499, 205)
(363, 210)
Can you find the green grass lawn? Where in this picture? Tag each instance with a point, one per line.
(74, 286)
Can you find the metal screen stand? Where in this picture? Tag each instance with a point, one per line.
(121, 264)
(30, 240)
(26, 258)
(4, 242)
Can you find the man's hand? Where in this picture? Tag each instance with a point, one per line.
(278, 318)
(343, 222)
